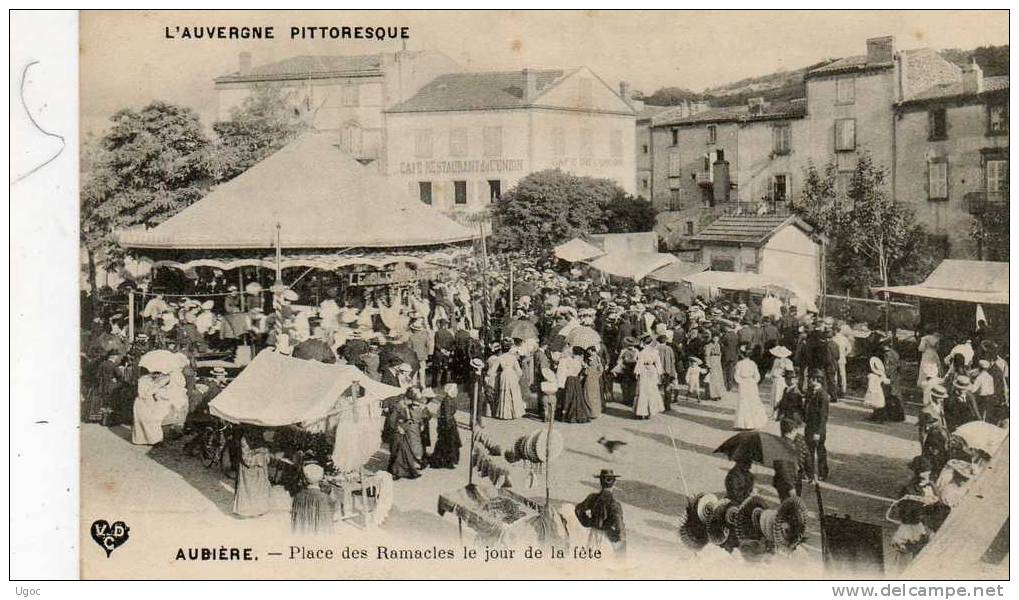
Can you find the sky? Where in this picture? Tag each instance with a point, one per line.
(126, 60)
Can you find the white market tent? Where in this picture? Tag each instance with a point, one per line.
(676, 272)
(632, 265)
(577, 250)
(320, 197)
(729, 280)
(276, 390)
(980, 282)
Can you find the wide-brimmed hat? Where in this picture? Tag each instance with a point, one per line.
(477, 363)
(780, 352)
(962, 382)
(418, 325)
(695, 360)
(607, 474)
(208, 304)
(313, 473)
(876, 366)
(290, 295)
(939, 391)
(219, 371)
(629, 341)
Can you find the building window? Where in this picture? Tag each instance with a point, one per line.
(585, 91)
(492, 142)
(644, 149)
(997, 119)
(675, 136)
(689, 228)
(780, 187)
(615, 144)
(423, 143)
(459, 192)
(351, 95)
(585, 143)
(558, 141)
(494, 190)
(937, 124)
(845, 135)
(781, 138)
(458, 141)
(723, 263)
(997, 179)
(675, 164)
(675, 199)
(937, 180)
(712, 134)
(845, 90)
(643, 182)
(425, 191)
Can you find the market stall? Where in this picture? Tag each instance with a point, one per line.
(632, 265)
(577, 250)
(713, 283)
(337, 402)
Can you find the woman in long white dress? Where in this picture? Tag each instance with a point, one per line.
(780, 365)
(509, 402)
(648, 370)
(749, 410)
(875, 395)
(149, 411)
(928, 349)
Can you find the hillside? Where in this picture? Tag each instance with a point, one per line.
(787, 85)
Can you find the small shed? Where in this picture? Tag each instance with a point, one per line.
(781, 246)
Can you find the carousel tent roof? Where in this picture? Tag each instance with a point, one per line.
(275, 390)
(577, 250)
(961, 280)
(632, 265)
(320, 197)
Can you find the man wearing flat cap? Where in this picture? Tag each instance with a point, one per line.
(603, 515)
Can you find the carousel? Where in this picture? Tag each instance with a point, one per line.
(306, 225)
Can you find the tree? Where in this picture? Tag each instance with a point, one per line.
(990, 232)
(626, 213)
(149, 165)
(261, 125)
(872, 239)
(671, 96)
(552, 206)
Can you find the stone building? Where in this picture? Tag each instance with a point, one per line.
(465, 138)
(342, 93)
(952, 156)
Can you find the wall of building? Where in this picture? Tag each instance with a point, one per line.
(963, 150)
(758, 162)
(689, 152)
(872, 110)
(743, 259)
(531, 140)
(643, 160)
(793, 256)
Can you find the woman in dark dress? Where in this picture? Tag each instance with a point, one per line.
(572, 397)
(446, 453)
(402, 461)
(739, 482)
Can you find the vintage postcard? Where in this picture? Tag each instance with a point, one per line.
(544, 295)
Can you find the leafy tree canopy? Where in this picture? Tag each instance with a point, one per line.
(549, 207)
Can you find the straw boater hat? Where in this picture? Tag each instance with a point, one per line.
(313, 473)
(695, 360)
(477, 363)
(219, 371)
(938, 391)
(208, 305)
(780, 352)
(962, 382)
(290, 295)
(876, 366)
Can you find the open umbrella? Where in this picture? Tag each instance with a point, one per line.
(314, 349)
(758, 447)
(583, 336)
(162, 361)
(981, 435)
(520, 329)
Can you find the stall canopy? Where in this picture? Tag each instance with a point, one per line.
(577, 250)
(632, 265)
(676, 272)
(275, 390)
(729, 280)
(974, 281)
(319, 196)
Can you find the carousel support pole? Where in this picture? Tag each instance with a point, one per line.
(279, 258)
(130, 316)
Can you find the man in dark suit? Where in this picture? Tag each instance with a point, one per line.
(729, 341)
(815, 410)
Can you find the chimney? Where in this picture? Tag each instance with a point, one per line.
(880, 49)
(756, 105)
(624, 90)
(244, 63)
(530, 84)
(972, 79)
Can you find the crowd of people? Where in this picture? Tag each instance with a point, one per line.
(524, 337)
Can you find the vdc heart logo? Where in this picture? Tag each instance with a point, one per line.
(109, 537)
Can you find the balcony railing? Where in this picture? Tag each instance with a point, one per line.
(704, 178)
(979, 202)
(763, 207)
